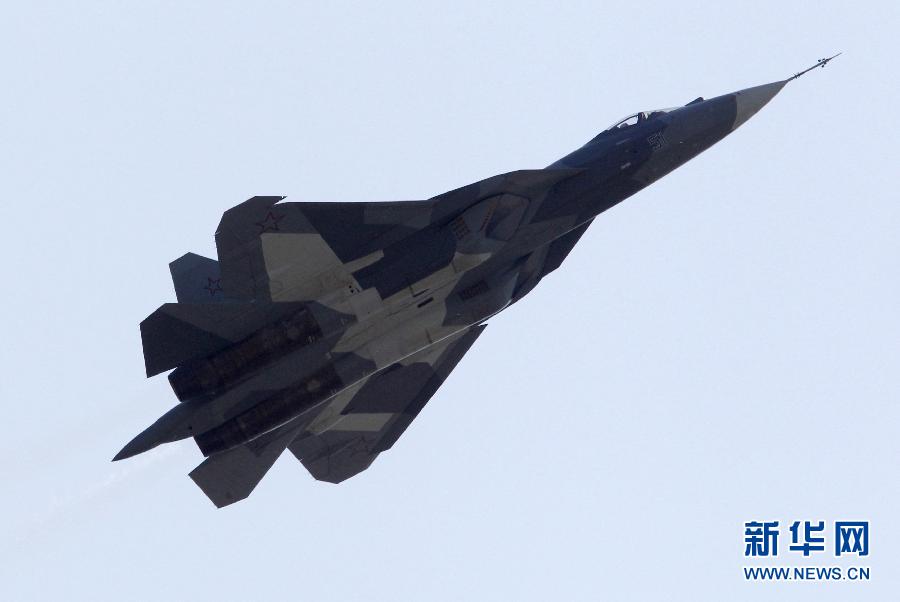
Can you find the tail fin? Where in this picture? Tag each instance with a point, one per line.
(197, 279)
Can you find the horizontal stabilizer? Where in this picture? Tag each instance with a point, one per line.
(179, 332)
(232, 475)
(197, 279)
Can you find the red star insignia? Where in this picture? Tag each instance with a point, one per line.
(213, 286)
(270, 224)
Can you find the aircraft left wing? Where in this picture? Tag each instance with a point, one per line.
(274, 251)
(269, 250)
(380, 411)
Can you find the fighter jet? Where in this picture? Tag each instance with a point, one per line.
(325, 328)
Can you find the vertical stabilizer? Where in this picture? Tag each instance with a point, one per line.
(197, 279)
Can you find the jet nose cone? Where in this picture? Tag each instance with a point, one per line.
(751, 100)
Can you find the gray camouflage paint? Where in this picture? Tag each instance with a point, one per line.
(324, 328)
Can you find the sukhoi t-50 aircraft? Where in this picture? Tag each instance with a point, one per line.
(325, 328)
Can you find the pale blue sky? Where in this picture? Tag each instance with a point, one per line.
(720, 348)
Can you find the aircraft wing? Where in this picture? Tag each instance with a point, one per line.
(274, 251)
(346, 437)
(269, 250)
(380, 411)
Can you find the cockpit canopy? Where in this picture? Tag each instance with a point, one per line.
(637, 118)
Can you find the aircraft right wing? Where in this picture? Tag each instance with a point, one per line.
(381, 410)
(346, 437)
